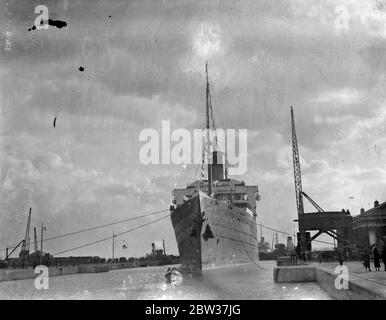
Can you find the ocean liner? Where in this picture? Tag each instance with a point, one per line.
(214, 219)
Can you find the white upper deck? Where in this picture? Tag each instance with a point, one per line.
(232, 190)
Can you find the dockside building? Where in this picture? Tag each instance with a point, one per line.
(369, 227)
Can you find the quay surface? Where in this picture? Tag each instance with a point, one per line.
(363, 285)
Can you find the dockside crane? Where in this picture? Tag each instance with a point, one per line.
(322, 221)
(298, 175)
(8, 254)
(298, 183)
(317, 207)
(297, 171)
(24, 252)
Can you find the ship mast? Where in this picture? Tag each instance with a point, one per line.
(207, 131)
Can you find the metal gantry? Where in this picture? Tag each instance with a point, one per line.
(296, 165)
(337, 224)
(298, 183)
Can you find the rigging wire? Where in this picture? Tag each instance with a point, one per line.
(143, 216)
(146, 224)
(111, 237)
(212, 118)
(199, 165)
(151, 222)
(96, 227)
(225, 141)
(290, 234)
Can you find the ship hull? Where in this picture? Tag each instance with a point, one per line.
(213, 233)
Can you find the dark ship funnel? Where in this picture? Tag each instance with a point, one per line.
(218, 166)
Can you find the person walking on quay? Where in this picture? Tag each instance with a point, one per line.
(293, 255)
(298, 251)
(340, 257)
(384, 255)
(366, 260)
(377, 263)
(320, 258)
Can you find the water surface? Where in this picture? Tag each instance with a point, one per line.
(237, 282)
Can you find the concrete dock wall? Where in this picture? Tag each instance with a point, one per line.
(19, 274)
(294, 274)
(358, 288)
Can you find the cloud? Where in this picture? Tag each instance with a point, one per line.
(344, 96)
(363, 16)
(146, 64)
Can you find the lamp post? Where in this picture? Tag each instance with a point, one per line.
(42, 228)
(113, 245)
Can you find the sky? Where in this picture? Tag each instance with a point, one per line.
(144, 62)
